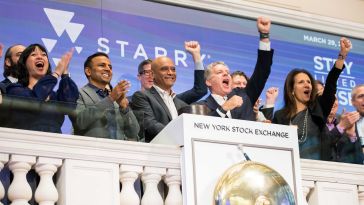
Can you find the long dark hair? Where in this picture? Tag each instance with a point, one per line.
(290, 107)
(23, 74)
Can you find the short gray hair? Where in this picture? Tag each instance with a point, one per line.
(209, 68)
(353, 91)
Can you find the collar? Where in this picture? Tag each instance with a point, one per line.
(12, 79)
(219, 99)
(101, 92)
(163, 92)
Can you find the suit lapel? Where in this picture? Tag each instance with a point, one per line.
(91, 94)
(156, 95)
(211, 103)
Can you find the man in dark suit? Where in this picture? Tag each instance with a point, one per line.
(199, 89)
(238, 103)
(12, 55)
(159, 104)
(101, 112)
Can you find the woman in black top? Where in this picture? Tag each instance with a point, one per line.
(306, 110)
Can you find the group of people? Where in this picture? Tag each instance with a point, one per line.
(99, 109)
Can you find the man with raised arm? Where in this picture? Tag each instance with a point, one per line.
(199, 89)
(238, 103)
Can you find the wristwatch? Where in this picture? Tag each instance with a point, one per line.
(66, 75)
(341, 57)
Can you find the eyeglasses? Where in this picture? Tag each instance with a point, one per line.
(146, 72)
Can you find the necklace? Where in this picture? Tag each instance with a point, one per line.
(303, 137)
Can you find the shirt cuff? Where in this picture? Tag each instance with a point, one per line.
(268, 106)
(199, 66)
(220, 113)
(340, 129)
(264, 46)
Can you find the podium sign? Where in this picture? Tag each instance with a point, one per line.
(210, 147)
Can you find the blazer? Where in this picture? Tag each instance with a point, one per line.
(97, 117)
(344, 150)
(194, 94)
(250, 93)
(319, 110)
(155, 112)
(198, 90)
(6, 82)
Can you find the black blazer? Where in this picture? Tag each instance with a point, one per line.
(192, 95)
(155, 112)
(319, 110)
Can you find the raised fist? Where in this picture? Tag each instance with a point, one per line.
(345, 46)
(263, 24)
(233, 102)
(193, 47)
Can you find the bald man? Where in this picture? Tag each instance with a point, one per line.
(159, 104)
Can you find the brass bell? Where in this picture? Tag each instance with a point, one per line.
(252, 183)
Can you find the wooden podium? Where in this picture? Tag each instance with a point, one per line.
(210, 146)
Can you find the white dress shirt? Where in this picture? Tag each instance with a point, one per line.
(221, 100)
(168, 100)
(360, 128)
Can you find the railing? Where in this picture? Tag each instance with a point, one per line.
(89, 170)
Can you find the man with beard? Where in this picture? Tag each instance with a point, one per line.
(238, 103)
(100, 112)
(12, 55)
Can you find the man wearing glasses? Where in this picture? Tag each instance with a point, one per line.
(158, 103)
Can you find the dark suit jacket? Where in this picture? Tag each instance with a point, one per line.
(197, 92)
(155, 111)
(6, 82)
(94, 116)
(250, 93)
(192, 95)
(345, 150)
(2, 88)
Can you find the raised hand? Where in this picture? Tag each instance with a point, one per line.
(345, 46)
(193, 47)
(271, 95)
(119, 91)
(256, 106)
(349, 119)
(233, 102)
(263, 24)
(63, 64)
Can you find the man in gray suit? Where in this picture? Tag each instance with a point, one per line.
(102, 112)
